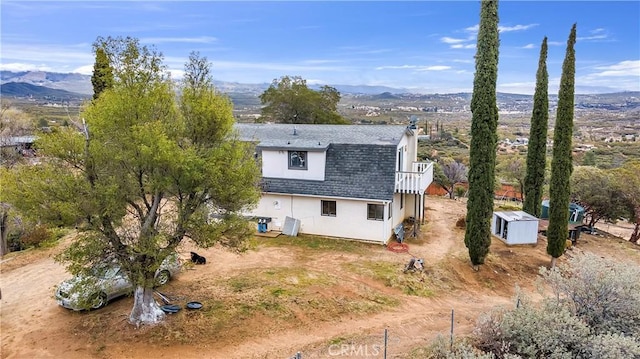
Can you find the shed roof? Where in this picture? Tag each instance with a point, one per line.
(511, 216)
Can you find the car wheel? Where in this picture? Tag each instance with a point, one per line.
(98, 300)
(163, 277)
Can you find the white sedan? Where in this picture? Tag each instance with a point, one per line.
(83, 292)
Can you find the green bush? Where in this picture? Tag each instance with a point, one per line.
(602, 293)
(591, 312)
(441, 348)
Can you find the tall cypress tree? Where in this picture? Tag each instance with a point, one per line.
(483, 136)
(537, 153)
(102, 77)
(561, 164)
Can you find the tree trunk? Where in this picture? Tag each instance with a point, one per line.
(635, 236)
(4, 231)
(145, 308)
(553, 262)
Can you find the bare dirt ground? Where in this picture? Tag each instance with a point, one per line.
(34, 326)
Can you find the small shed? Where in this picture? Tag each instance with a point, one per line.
(515, 227)
(576, 212)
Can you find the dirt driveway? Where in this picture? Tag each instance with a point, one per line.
(33, 326)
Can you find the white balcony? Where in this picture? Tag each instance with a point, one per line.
(415, 181)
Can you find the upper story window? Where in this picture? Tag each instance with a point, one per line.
(297, 160)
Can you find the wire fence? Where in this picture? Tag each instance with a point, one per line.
(370, 346)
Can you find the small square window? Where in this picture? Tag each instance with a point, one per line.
(375, 212)
(297, 160)
(329, 208)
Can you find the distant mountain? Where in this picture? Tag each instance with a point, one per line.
(71, 82)
(367, 90)
(23, 89)
(247, 94)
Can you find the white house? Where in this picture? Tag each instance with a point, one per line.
(515, 227)
(348, 181)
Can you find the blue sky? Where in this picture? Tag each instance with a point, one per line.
(424, 46)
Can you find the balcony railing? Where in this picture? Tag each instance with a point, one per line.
(415, 181)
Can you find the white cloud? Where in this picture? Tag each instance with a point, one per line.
(85, 70)
(451, 40)
(415, 67)
(516, 28)
(621, 76)
(19, 67)
(461, 46)
(623, 68)
(458, 43)
(473, 28)
(435, 68)
(190, 40)
(176, 74)
(396, 67)
(528, 46)
(593, 37)
(316, 82)
(555, 43)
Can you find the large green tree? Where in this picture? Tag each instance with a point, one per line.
(598, 193)
(628, 182)
(561, 163)
(13, 122)
(102, 77)
(537, 148)
(511, 169)
(484, 138)
(289, 100)
(150, 170)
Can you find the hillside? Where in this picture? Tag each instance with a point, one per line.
(27, 90)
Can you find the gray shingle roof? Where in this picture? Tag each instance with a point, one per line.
(308, 136)
(360, 161)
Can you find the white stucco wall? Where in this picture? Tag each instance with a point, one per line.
(350, 220)
(275, 163)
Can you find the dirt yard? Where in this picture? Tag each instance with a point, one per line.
(322, 298)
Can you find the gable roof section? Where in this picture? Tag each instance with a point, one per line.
(280, 136)
(352, 171)
(360, 159)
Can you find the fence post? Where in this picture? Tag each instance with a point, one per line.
(451, 336)
(385, 343)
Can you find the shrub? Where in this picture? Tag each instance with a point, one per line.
(37, 236)
(441, 348)
(591, 312)
(461, 222)
(546, 332)
(603, 293)
(612, 346)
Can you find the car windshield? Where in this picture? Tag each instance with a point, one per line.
(104, 271)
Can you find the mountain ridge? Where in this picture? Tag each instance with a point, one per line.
(81, 84)
(24, 89)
